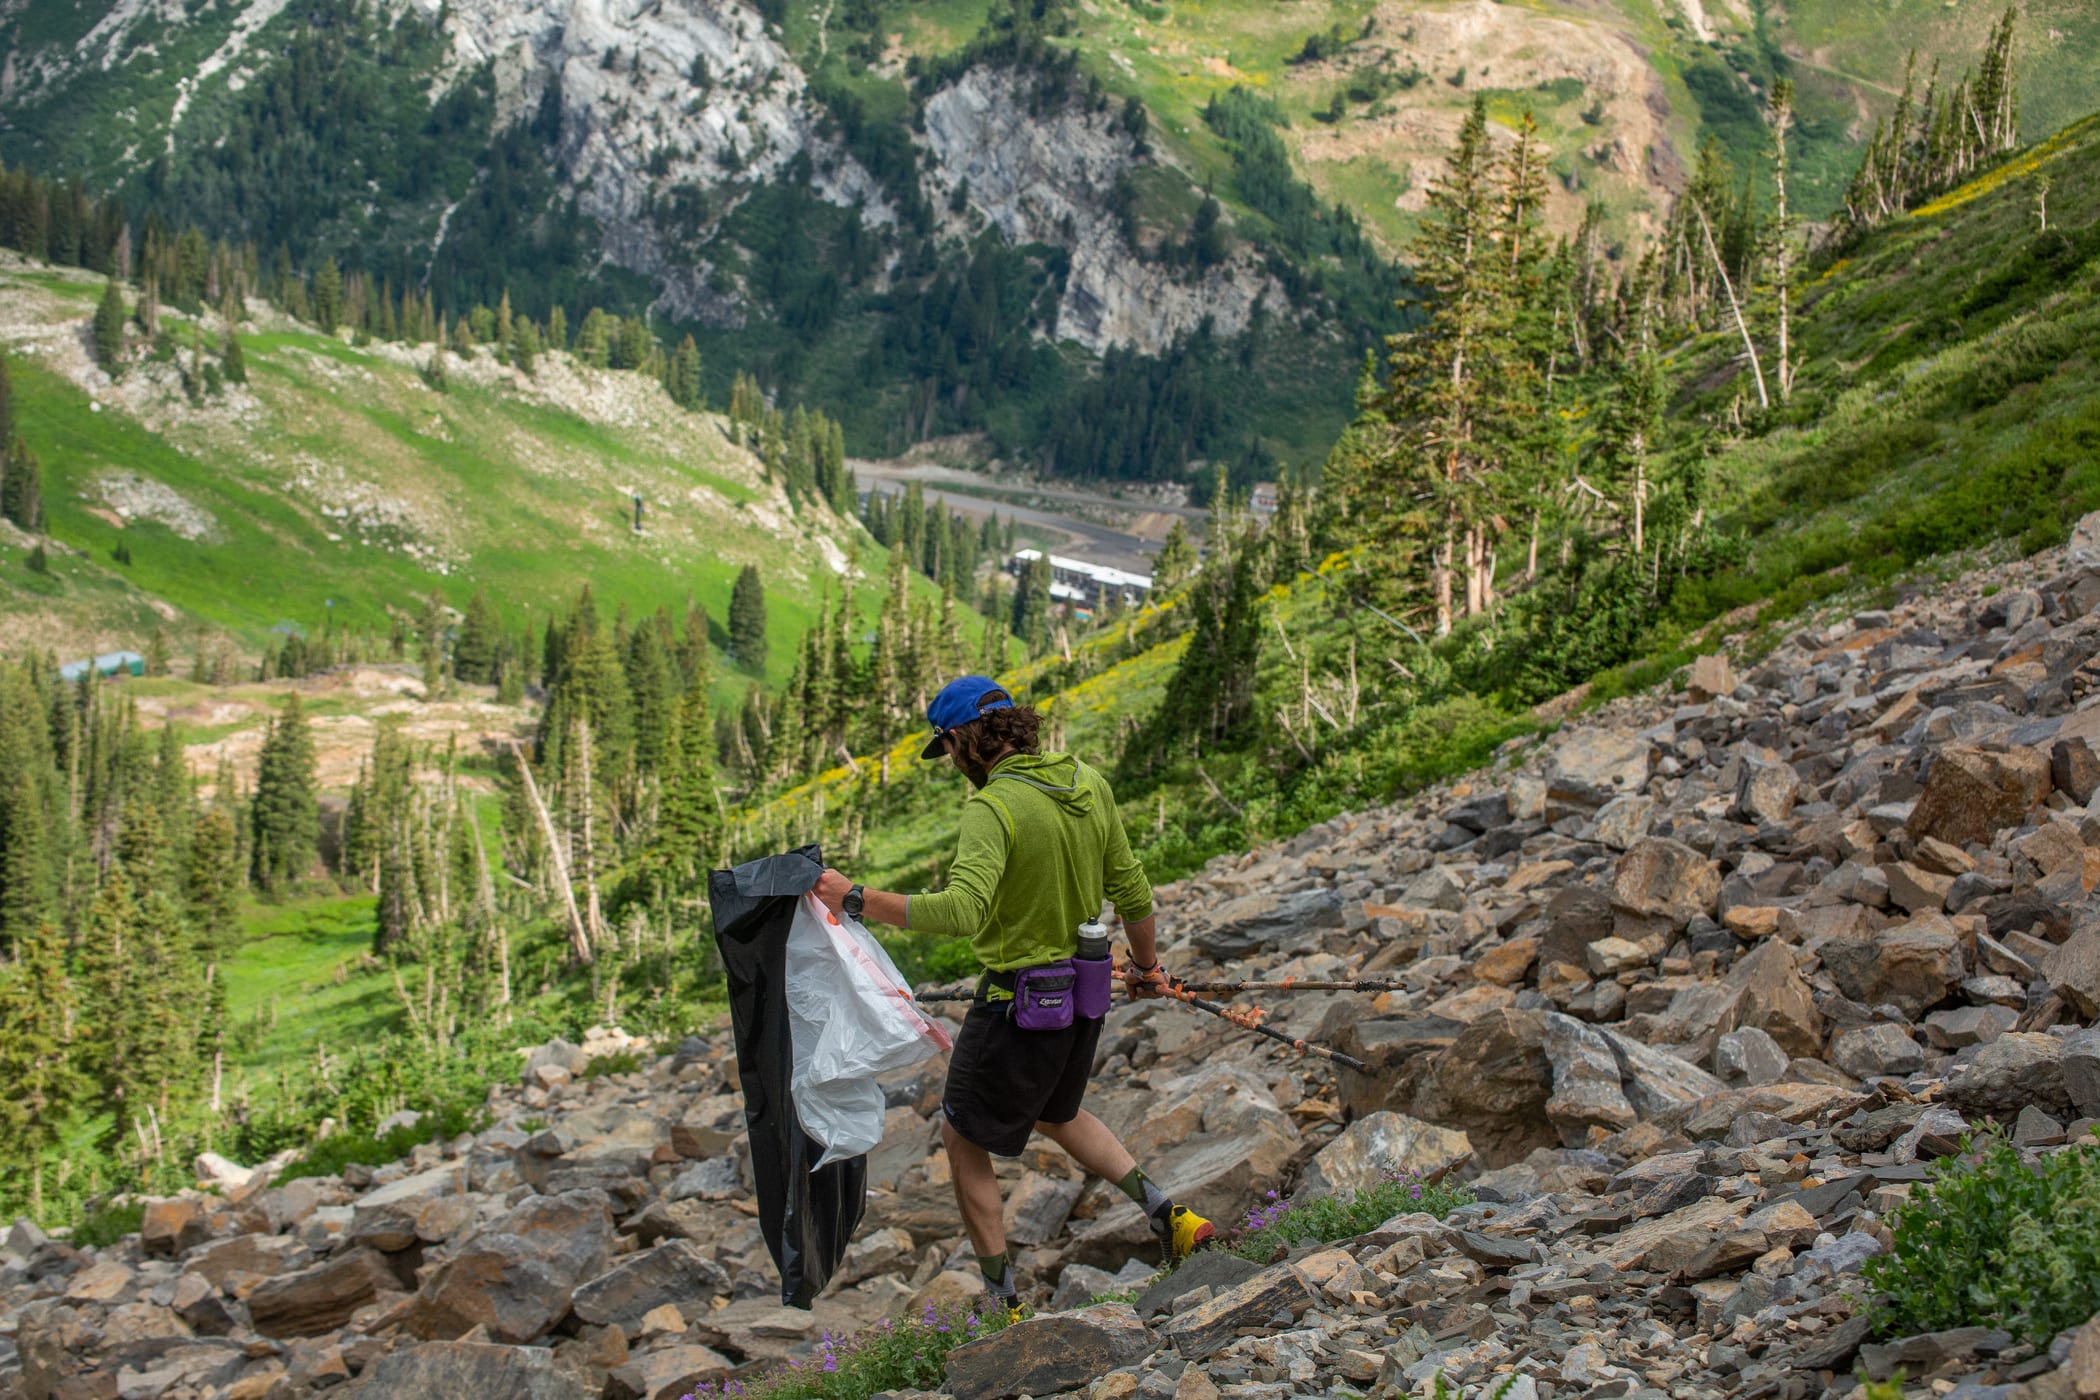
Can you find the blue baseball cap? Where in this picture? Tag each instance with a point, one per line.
(960, 701)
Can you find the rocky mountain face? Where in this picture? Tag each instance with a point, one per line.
(1692, 993)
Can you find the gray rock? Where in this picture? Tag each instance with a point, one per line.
(1748, 1055)
(557, 1052)
(717, 1180)
(2081, 1070)
(1038, 1206)
(1768, 791)
(468, 1368)
(1208, 1328)
(1589, 767)
(1871, 1051)
(2010, 1073)
(517, 1280)
(319, 1299)
(1664, 879)
(1911, 967)
(1963, 1026)
(1213, 1269)
(1605, 1079)
(1972, 794)
(1257, 922)
(1378, 1145)
(673, 1272)
(1048, 1353)
(667, 1373)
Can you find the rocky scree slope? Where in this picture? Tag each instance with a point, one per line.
(1694, 991)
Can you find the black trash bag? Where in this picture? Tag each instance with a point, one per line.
(808, 1216)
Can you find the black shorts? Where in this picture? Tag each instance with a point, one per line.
(1003, 1080)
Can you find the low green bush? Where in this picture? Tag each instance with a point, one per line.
(624, 1062)
(338, 1150)
(106, 1227)
(1281, 1223)
(899, 1354)
(1994, 1242)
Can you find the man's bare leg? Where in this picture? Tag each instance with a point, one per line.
(1087, 1140)
(976, 1192)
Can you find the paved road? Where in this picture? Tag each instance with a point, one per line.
(1090, 540)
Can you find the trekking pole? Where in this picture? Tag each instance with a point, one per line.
(1292, 984)
(1249, 1019)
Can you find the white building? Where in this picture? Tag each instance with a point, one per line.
(1088, 585)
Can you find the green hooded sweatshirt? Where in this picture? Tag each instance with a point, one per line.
(1041, 844)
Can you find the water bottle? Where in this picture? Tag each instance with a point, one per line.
(1096, 973)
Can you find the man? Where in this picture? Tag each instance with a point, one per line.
(1040, 846)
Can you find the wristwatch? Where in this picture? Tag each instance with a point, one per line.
(855, 901)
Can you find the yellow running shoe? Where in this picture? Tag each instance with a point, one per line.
(1186, 1233)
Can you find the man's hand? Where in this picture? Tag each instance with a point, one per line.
(831, 890)
(1144, 984)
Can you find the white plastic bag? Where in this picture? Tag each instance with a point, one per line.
(850, 1018)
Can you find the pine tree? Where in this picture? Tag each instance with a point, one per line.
(1176, 559)
(232, 363)
(284, 817)
(328, 296)
(22, 489)
(685, 375)
(109, 326)
(44, 1085)
(747, 620)
(474, 652)
(690, 819)
(1632, 425)
(1031, 620)
(1439, 376)
(25, 855)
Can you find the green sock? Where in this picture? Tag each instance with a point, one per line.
(997, 1271)
(1139, 1188)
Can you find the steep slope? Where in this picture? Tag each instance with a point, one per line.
(337, 482)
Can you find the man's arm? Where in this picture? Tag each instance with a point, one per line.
(960, 910)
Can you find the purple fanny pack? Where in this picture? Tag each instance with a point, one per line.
(1047, 998)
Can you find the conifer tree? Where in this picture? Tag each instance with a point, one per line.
(480, 631)
(1438, 384)
(285, 816)
(232, 363)
(1031, 619)
(109, 996)
(684, 383)
(109, 326)
(747, 620)
(22, 489)
(690, 820)
(430, 638)
(1176, 559)
(44, 1086)
(328, 297)
(25, 858)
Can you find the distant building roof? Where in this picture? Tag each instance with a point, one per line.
(1100, 573)
(107, 664)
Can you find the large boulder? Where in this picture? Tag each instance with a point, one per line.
(1378, 1146)
(1664, 880)
(1589, 767)
(1492, 1083)
(1255, 922)
(2012, 1072)
(322, 1298)
(1972, 794)
(673, 1272)
(1047, 1354)
(1604, 1079)
(1764, 991)
(1912, 966)
(518, 1279)
(468, 1368)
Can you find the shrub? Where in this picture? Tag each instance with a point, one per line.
(1282, 1222)
(107, 1226)
(338, 1150)
(624, 1062)
(1993, 1241)
(907, 1354)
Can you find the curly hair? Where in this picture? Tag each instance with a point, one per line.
(976, 746)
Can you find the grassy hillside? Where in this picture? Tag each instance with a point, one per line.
(337, 479)
(1948, 402)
